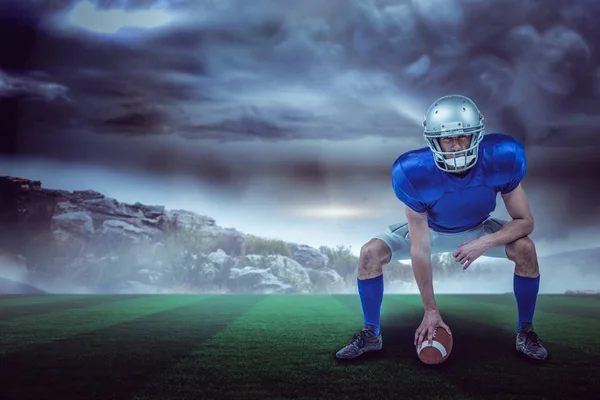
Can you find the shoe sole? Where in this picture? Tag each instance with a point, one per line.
(530, 356)
(360, 353)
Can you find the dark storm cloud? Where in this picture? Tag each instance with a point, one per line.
(525, 63)
(139, 118)
(246, 128)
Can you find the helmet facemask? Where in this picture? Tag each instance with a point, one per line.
(450, 161)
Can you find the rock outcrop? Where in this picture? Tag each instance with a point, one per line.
(86, 239)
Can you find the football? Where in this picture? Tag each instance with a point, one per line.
(439, 351)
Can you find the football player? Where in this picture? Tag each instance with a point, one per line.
(449, 190)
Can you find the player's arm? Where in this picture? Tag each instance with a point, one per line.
(517, 205)
(420, 254)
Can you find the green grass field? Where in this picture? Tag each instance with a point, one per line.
(283, 346)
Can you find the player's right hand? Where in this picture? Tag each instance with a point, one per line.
(431, 320)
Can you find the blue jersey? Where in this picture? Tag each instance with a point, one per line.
(453, 203)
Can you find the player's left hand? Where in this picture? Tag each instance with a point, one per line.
(469, 252)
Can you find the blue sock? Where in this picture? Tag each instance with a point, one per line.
(371, 296)
(526, 290)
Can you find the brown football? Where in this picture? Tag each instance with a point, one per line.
(439, 351)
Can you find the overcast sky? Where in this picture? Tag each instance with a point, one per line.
(283, 118)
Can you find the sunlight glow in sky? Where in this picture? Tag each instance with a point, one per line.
(87, 15)
(334, 211)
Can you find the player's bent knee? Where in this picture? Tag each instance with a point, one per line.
(521, 249)
(375, 252)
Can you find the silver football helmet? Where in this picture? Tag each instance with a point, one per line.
(448, 116)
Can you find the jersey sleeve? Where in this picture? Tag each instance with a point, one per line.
(404, 190)
(517, 171)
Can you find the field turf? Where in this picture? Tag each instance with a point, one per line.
(282, 347)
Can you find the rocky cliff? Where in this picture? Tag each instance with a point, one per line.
(87, 240)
